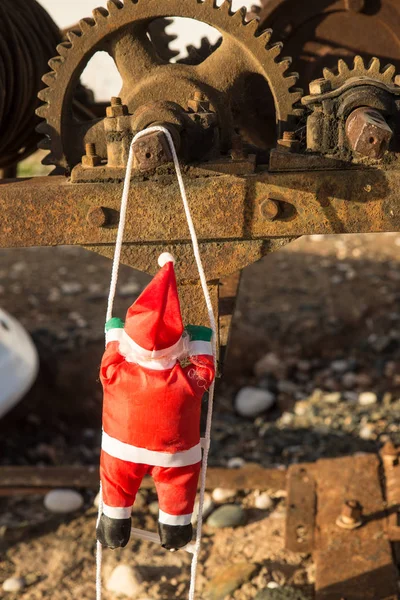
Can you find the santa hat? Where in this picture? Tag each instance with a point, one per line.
(154, 321)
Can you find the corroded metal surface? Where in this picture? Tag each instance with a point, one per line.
(242, 73)
(51, 211)
(390, 456)
(321, 32)
(301, 506)
(353, 564)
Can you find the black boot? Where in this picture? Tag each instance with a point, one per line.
(175, 536)
(113, 533)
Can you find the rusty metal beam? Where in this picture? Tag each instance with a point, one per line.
(390, 456)
(355, 564)
(226, 209)
(301, 506)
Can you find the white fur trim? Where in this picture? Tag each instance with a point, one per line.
(133, 352)
(200, 347)
(163, 364)
(167, 519)
(165, 258)
(114, 335)
(137, 455)
(117, 512)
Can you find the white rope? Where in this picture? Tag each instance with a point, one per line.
(211, 317)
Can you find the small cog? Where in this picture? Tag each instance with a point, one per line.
(344, 72)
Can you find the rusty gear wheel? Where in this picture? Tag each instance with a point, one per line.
(344, 72)
(241, 74)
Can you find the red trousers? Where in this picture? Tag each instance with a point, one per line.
(176, 488)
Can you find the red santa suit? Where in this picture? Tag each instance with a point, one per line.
(152, 403)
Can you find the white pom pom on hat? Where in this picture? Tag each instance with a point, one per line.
(165, 258)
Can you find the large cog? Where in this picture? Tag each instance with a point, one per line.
(240, 74)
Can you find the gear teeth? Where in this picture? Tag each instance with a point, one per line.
(44, 94)
(359, 63)
(285, 63)
(114, 5)
(99, 14)
(275, 49)
(327, 73)
(265, 36)
(42, 111)
(55, 63)
(343, 69)
(86, 24)
(226, 6)
(252, 25)
(64, 48)
(374, 66)
(44, 144)
(240, 15)
(73, 36)
(49, 78)
(296, 95)
(389, 72)
(292, 79)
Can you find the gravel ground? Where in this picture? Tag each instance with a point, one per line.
(317, 327)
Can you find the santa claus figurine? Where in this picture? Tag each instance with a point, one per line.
(151, 411)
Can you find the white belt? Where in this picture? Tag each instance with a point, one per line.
(133, 454)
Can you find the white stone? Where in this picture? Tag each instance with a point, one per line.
(340, 366)
(287, 418)
(222, 495)
(208, 507)
(63, 501)
(367, 432)
(267, 365)
(251, 401)
(124, 580)
(272, 585)
(237, 462)
(71, 288)
(367, 398)
(333, 398)
(13, 584)
(301, 408)
(263, 501)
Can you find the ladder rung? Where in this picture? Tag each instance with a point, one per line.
(150, 536)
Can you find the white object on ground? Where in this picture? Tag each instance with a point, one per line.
(263, 501)
(19, 362)
(63, 501)
(222, 495)
(251, 401)
(367, 398)
(13, 584)
(124, 580)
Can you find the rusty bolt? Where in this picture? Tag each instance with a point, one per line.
(117, 109)
(320, 86)
(289, 141)
(269, 209)
(97, 216)
(351, 515)
(90, 159)
(199, 103)
(368, 133)
(355, 5)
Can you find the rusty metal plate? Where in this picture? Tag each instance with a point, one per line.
(391, 464)
(352, 564)
(301, 505)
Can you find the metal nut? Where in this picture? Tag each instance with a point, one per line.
(351, 515)
(355, 5)
(97, 216)
(289, 141)
(151, 151)
(91, 159)
(117, 109)
(368, 133)
(269, 209)
(320, 86)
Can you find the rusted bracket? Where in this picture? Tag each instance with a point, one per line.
(391, 463)
(301, 506)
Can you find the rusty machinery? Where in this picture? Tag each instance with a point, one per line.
(263, 164)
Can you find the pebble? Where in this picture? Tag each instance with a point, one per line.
(221, 495)
(63, 501)
(208, 507)
(71, 288)
(237, 462)
(229, 580)
(124, 580)
(367, 432)
(349, 380)
(230, 515)
(301, 408)
(154, 508)
(251, 401)
(129, 289)
(367, 398)
(287, 387)
(13, 584)
(340, 366)
(263, 501)
(333, 398)
(269, 364)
